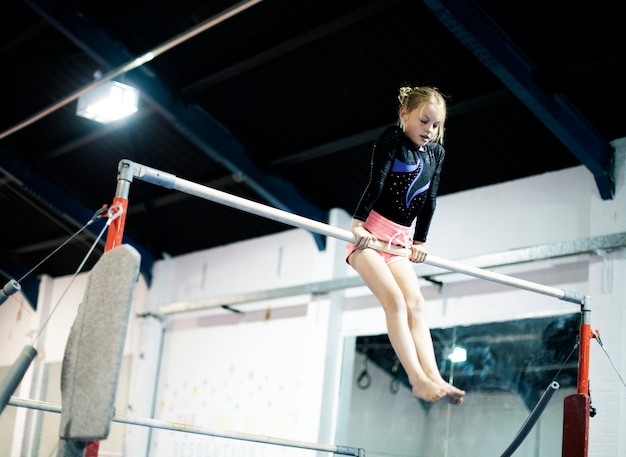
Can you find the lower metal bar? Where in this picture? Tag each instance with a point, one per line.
(175, 426)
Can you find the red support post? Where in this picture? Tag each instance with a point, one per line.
(583, 358)
(115, 233)
(576, 413)
(577, 407)
(92, 449)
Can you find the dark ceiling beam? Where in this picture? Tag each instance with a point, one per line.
(190, 120)
(580, 72)
(329, 148)
(365, 137)
(369, 136)
(332, 147)
(287, 46)
(481, 35)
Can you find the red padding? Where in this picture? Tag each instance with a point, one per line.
(576, 414)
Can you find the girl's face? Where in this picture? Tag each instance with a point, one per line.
(421, 125)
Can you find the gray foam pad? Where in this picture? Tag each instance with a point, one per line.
(95, 346)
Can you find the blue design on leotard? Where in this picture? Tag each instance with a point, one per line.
(401, 167)
(412, 193)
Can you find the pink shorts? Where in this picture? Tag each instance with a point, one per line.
(387, 231)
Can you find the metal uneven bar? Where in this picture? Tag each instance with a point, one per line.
(175, 426)
(170, 181)
(128, 170)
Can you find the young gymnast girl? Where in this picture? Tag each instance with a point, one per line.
(397, 207)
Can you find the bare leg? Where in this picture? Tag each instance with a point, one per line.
(417, 318)
(380, 280)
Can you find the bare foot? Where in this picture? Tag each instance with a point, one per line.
(452, 399)
(428, 390)
(454, 395)
(454, 390)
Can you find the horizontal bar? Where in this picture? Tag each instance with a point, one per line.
(172, 182)
(178, 427)
(505, 279)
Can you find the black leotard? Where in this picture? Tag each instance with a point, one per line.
(403, 181)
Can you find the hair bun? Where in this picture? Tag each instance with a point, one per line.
(404, 93)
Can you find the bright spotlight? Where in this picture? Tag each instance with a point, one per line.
(108, 102)
(458, 355)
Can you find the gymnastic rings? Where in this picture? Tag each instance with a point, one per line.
(394, 385)
(364, 381)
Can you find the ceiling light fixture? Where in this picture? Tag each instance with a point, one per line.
(108, 102)
(458, 355)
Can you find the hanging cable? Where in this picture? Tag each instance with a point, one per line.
(596, 334)
(95, 217)
(13, 286)
(112, 215)
(592, 412)
(564, 364)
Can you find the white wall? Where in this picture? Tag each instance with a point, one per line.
(276, 369)
(47, 329)
(397, 424)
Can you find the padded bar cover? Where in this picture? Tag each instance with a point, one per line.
(95, 346)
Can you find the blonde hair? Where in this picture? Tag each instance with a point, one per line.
(413, 98)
